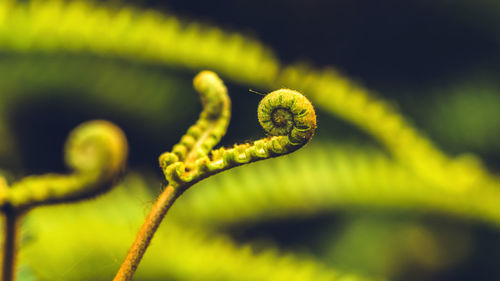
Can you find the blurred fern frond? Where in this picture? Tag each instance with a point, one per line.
(323, 178)
(148, 36)
(97, 85)
(179, 252)
(126, 32)
(419, 176)
(466, 114)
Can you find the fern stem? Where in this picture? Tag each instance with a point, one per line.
(148, 229)
(11, 234)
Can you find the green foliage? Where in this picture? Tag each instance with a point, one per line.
(180, 253)
(133, 34)
(415, 175)
(322, 179)
(94, 84)
(286, 115)
(466, 115)
(126, 32)
(96, 151)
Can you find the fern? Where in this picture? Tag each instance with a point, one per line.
(426, 177)
(324, 178)
(95, 84)
(148, 36)
(179, 252)
(476, 95)
(66, 72)
(286, 115)
(96, 152)
(53, 26)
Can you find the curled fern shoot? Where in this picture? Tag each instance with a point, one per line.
(95, 150)
(148, 36)
(286, 115)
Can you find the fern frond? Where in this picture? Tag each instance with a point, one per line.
(80, 26)
(465, 113)
(54, 26)
(323, 178)
(96, 151)
(107, 87)
(287, 116)
(179, 253)
(352, 102)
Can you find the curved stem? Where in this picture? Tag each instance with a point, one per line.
(148, 229)
(11, 234)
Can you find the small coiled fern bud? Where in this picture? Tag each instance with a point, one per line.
(96, 147)
(96, 151)
(288, 113)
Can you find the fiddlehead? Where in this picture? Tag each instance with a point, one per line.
(289, 114)
(210, 127)
(286, 115)
(78, 26)
(283, 112)
(96, 151)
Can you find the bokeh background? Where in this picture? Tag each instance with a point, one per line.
(436, 62)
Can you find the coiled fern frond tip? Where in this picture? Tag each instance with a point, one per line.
(285, 114)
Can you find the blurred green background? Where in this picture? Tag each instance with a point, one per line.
(435, 61)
